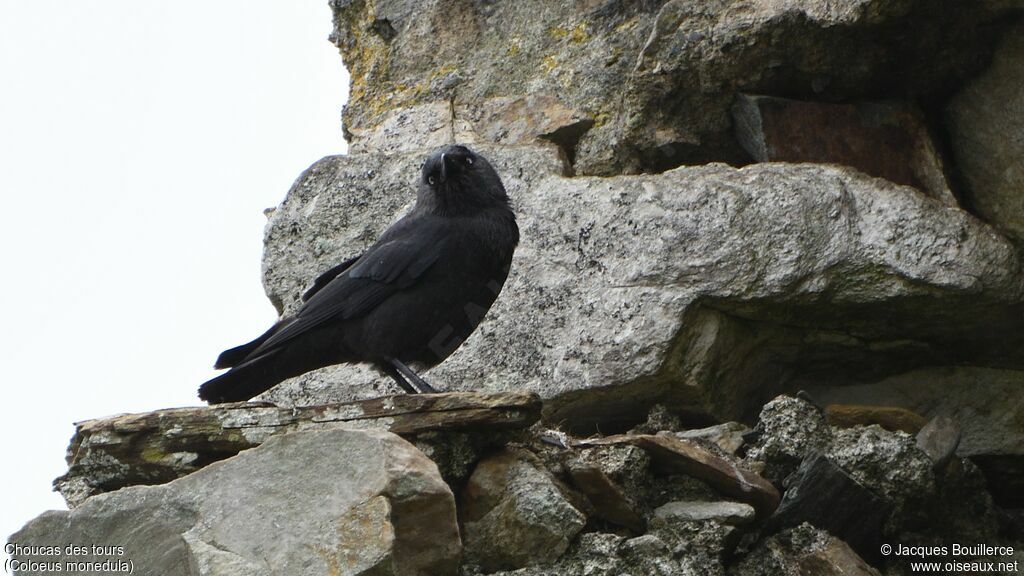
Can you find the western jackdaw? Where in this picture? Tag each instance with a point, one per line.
(412, 298)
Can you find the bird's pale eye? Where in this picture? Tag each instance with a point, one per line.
(431, 180)
(469, 160)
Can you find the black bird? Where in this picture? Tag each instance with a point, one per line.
(412, 298)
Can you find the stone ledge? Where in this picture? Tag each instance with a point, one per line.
(156, 447)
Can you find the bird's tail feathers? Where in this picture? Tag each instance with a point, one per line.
(243, 381)
(239, 354)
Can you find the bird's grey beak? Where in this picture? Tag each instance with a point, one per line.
(444, 167)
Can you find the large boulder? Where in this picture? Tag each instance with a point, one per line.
(294, 505)
(703, 285)
(986, 126)
(625, 87)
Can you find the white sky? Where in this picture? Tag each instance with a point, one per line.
(140, 141)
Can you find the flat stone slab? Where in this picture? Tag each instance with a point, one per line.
(726, 512)
(889, 417)
(728, 436)
(693, 460)
(156, 447)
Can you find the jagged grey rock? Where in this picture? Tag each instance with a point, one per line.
(514, 513)
(788, 430)
(627, 466)
(593, 554)
(986, 125)
(986, 403)
(631, 86)
(294, 505)
(963, 509)
(679, 549)
(701, 547)
(649, 554)
(803, 551)
(703, 285)
(890, 463)
(916, 503)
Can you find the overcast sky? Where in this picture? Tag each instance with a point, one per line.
(140, 141)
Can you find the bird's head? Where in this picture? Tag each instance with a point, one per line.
(455, 179)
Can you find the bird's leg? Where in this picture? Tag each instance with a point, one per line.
(391, 371)
(412, 376)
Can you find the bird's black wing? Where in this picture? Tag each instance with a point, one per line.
(325, 278)
(394, 263)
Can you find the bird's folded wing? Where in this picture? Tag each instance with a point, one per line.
(323, 279)
(395, 263)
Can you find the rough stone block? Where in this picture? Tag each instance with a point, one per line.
(515, 514)
(294, 505)
(986, 126)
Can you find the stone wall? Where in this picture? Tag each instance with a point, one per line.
(767, 313)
